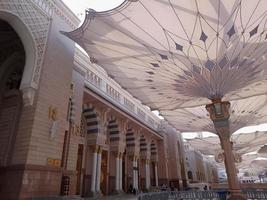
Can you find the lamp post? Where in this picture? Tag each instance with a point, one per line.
(219, 114)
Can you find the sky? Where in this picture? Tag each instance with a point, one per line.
(79, 7)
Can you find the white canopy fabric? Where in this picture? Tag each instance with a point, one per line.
(243, 143)
(251, 146)
(244, 112)
(176, 55)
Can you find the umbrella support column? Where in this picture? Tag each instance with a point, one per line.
(219, 114)
(230, 167)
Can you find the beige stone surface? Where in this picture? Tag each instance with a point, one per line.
(54, 91)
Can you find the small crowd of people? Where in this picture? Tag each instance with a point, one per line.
(132, 190)
(163, 188)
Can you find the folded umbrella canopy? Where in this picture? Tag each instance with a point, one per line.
(176, 56)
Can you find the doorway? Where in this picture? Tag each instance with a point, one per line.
(79, 169)
(12, 62)
(153, 177)
(104, 169)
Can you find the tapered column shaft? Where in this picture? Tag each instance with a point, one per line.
(147, 174)
(230, 164)
(219, 114)
(117, 186)
(94, 170)
(99, 158)
(136, 174)
(156, 175)
(120, 174)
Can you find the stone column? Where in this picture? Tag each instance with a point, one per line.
(229, 161)
(182, 164)
(147, 174)
(120, 174)
(117, 186)
(94, 170)
(219, 114)
(136, 174)
(156, 175)
(98, 175)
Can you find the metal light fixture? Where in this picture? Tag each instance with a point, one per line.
(218, 110)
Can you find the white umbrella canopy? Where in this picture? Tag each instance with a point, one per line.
(244, 112)
(250, 163)
(244, 143)
(176, 55)
(249, 145)
(258, 166)
(263, 151)
(201, 144)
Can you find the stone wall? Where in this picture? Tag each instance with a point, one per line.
(29, 170)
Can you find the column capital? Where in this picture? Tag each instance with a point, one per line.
(118, 154)
(219, 114)
(95, 148)
(131, 157)
(100, 150)
(134, 157)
